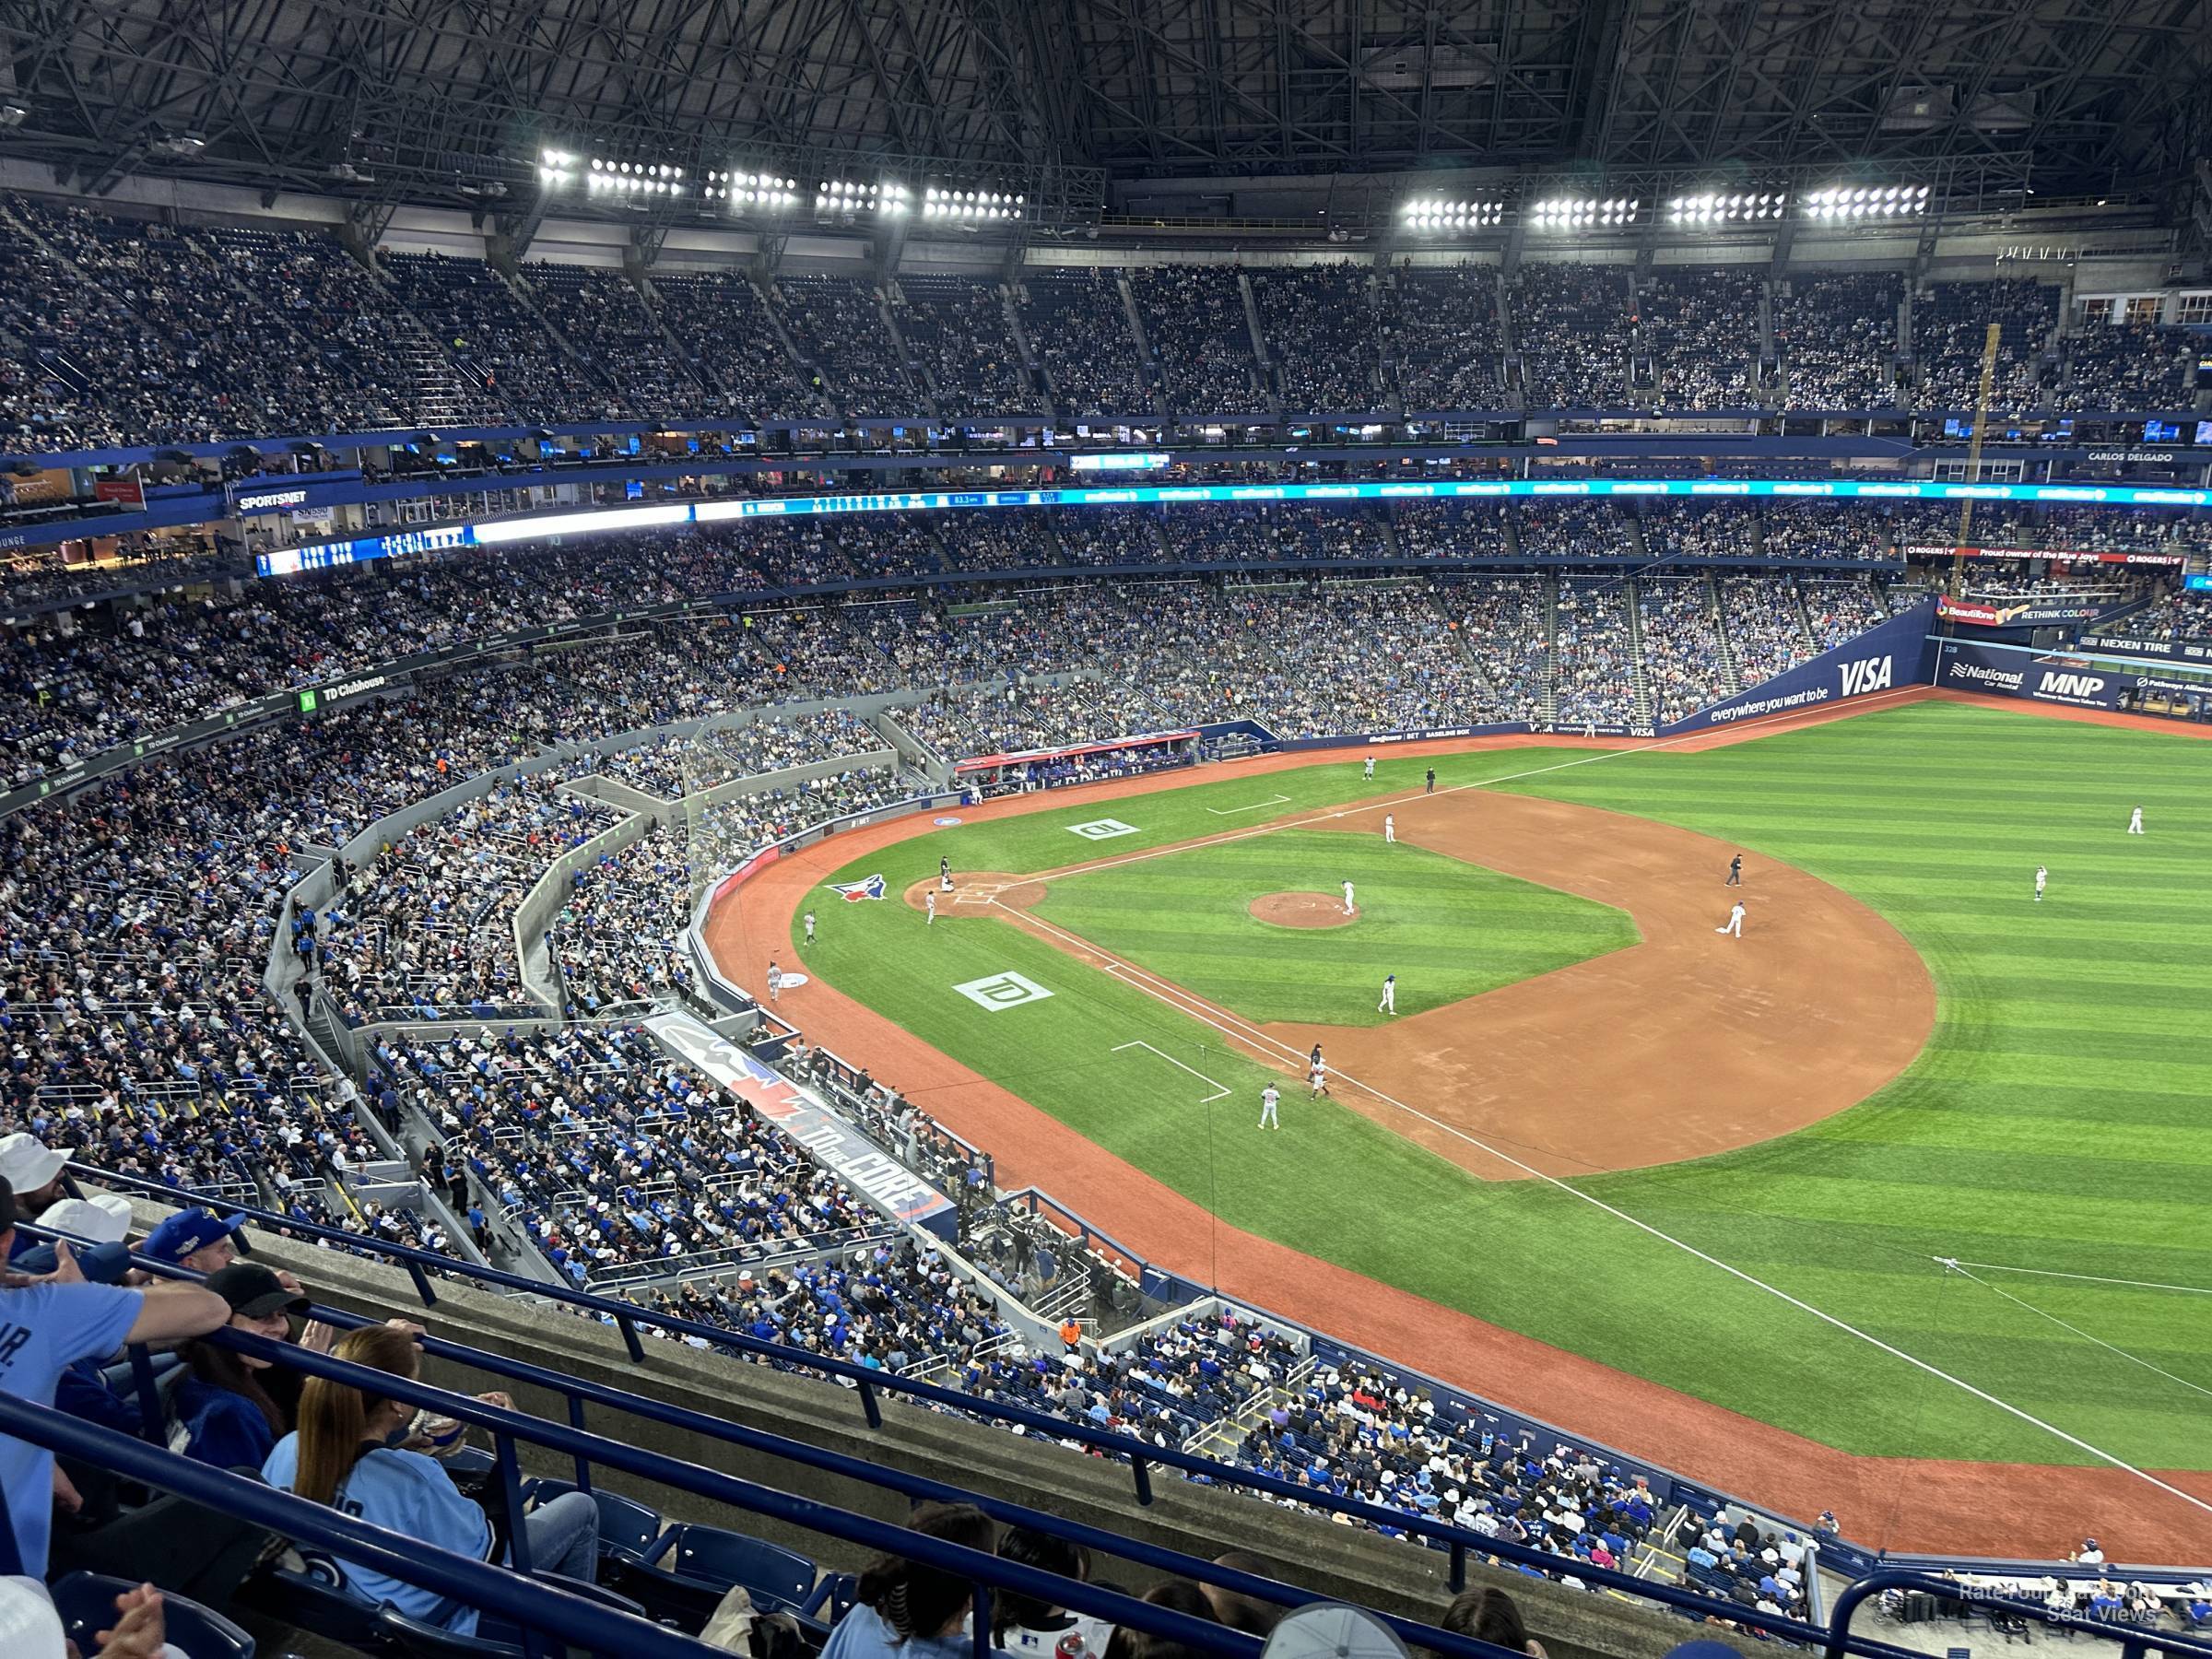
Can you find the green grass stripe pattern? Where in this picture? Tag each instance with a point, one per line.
(2061, 1117)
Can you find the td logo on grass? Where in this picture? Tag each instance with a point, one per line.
(1102, 829)
(1002, 991)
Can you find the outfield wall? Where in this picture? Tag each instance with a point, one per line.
(1889, 655)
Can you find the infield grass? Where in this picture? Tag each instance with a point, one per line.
(1448, 930)
(2059, 1119)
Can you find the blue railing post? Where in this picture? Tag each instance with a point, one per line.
(153, 1420)
(422, 1283)
(583, 1464)
(1142, 1471)
(510, 1483)
(980, 1621)
(869, 1404)
(1457, 1578)
(629, 1327)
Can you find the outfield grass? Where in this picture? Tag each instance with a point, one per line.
(2060, 1119)
(1448, 930)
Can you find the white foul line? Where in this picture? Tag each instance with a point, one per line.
(1951, 1266)
(2086, 1278)
(1259, 1040)
(1219, 1093)
(1280, 800)
(1396, 801)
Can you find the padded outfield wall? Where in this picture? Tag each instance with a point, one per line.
(1889, 655)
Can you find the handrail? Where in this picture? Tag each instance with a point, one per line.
(585, 1447)
(534, 1604)
(2133, 1641)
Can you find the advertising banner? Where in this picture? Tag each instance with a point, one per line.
(2040, 676)
(2172, 650)
(1888, 655)
(124, 492)
(2043, 611)
(885, 1183)
(2070, 554)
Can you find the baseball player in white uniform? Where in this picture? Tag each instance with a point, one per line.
(775, 981)
(1317, 1080)
(809, 927)
(2135, 822)
(1348, 906)
(1268, 1096)
(1370, 774)
(1389, 1005)
(1734, 924)
(1390, 827)
(2041, 876)
(929, 903)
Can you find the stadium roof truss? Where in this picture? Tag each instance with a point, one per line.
(1063, 100)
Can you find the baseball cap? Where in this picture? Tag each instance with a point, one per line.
(186, 1231)
(29, 1625)
(105, 1220)
(27, 1163)
(254, 1290)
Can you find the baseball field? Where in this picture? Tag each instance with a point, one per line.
(1760, 1153)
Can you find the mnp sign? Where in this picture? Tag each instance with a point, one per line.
(2039, 676)
(1888, 655)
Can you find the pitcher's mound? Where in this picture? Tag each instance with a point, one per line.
(1299, 910)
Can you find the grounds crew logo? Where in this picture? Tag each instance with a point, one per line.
(853, 892)
(1002, 991)
(1102, 829)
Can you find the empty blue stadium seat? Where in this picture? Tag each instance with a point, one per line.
(86, 1604)
(316, 1601)
(709, 1554)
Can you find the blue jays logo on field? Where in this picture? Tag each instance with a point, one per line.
(853, 891)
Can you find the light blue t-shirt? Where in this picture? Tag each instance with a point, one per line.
(409, 1494)
(45, 1329)
(862, 1634)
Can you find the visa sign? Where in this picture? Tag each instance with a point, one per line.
(1870, 674)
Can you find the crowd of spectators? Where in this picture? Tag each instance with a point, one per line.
(1452, 529)
(610, 1154)
(602, 316)
(1571, 331)
(1700, 328)
(1570, 528)
(1837, 609)
(1817, 530)
(674, 767)
(2180, 615)
(1837, 338)
(1441, 332)
(2134, 367)
(1949, 325)
(497, 341)
(721, 324)
(957, 328)
(1745, 1564)
(1323, 334)
(1766, 629)
(1194, 320)
(617, 944)
(1079, 329)
(1685, 661)
(1503, 626)
(1111, 536)
(1594, 658)
(1680, 530)
(837, 325)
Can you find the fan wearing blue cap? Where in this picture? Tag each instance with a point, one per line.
(197, 1239)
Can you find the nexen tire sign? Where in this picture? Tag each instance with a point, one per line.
(1886, 656)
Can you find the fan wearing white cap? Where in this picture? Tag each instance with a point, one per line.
(33, 1172)
(31, 1629)
(48, 1324)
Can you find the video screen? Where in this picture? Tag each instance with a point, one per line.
(2160, 432)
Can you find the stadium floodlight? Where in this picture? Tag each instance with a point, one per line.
(970, 207)
(1720, 207)
(1436, 213)
(1584, 213)
(1846, 203)
(752, 192)
(554, 166)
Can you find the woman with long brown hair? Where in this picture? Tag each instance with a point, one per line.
(357, 1451)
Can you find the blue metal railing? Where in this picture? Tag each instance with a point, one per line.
(535, 1604)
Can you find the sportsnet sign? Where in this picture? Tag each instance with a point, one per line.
(1887, 656)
